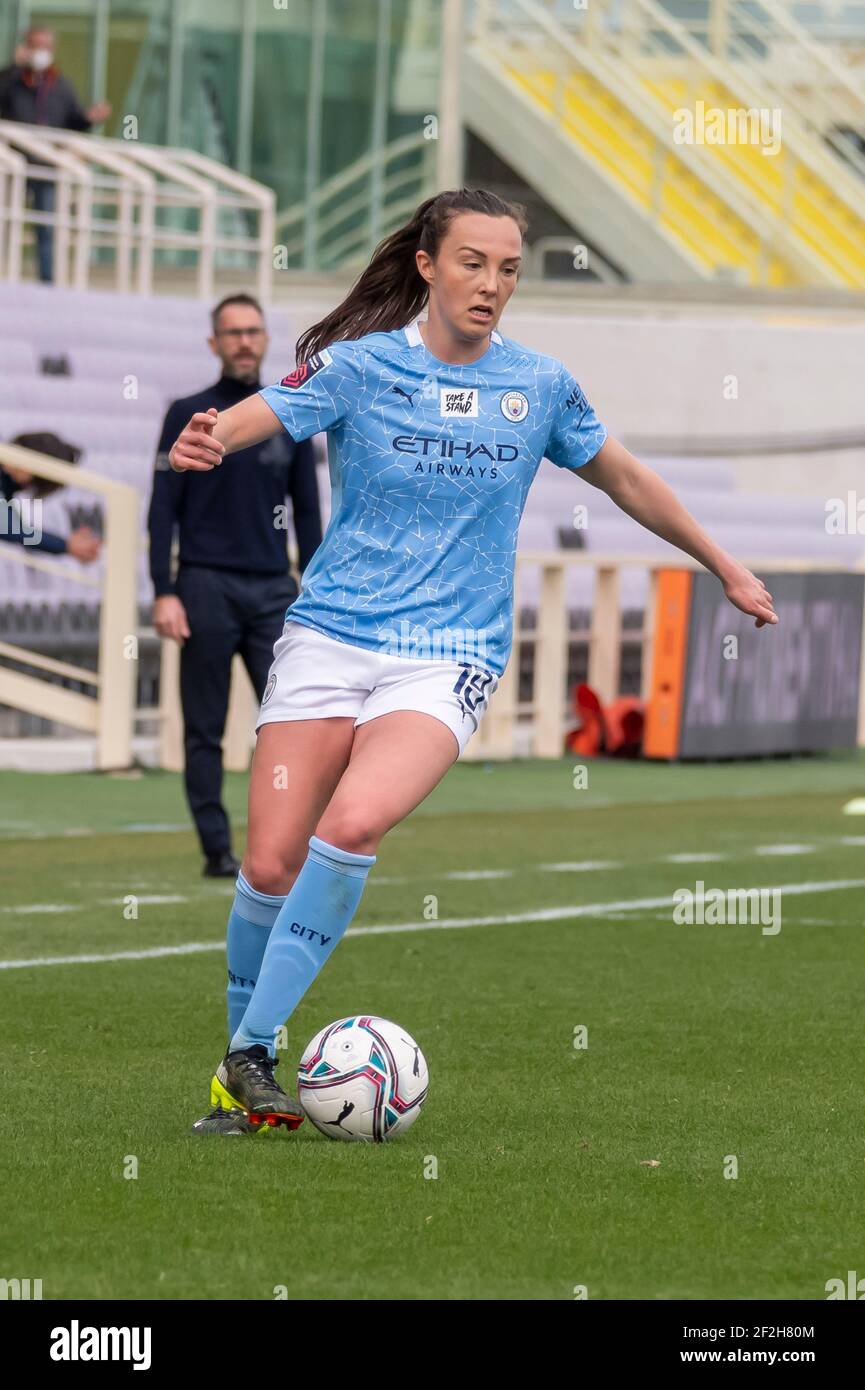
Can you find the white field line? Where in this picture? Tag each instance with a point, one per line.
(784, 849)
(26, 909)
(25, 830)
(707, 858)
(547, 914)
(147, 900)
(457, 875)
(578, 866)
(470, 875)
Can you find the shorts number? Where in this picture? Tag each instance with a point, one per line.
(471, 687)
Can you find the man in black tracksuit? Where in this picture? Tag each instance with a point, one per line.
(233, 583)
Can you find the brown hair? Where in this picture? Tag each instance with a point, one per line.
(391, 291)
(56, 448)
(240, 298)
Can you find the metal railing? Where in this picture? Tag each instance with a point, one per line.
(109, 712)
(767, 36)
(362, 203)
(730, 62)
(152, 207)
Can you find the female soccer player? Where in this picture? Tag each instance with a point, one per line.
(403, 625)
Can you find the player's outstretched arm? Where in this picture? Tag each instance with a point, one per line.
(211, 434)
(639, 491)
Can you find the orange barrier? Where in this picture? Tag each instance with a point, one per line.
(669, 664)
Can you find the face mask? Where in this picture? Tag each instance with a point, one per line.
(40, 59)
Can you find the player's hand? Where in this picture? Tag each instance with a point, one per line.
(99, 112)
(169, 618)
(83, 545)
(747, 592)
(195, 448)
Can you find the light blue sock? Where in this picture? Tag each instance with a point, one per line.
(249, 925)
(312, 920)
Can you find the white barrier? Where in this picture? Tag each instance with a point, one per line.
(148, 190)
(108, 713)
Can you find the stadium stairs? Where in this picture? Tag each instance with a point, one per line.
(589, 97)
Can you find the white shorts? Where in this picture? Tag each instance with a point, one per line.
(315, 677)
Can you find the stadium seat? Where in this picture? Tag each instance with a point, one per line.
(17, 357)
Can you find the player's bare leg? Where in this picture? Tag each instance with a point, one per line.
(396, 761)
(296, 768)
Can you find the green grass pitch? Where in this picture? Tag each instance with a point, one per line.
(703, 1042)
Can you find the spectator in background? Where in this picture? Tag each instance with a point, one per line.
(233, 583)
(82, 544)
(33, 90)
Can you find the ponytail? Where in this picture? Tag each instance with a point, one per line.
(391, 291)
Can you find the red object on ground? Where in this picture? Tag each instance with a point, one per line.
(615, 729)
(588, 738)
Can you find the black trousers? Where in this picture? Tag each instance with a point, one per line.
(229, 611)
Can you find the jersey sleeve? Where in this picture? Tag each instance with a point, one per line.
(576, 434)
(319, 394)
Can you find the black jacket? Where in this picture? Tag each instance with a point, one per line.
(44, 99)
(226, 516)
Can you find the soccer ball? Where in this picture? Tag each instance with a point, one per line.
(362, 1079)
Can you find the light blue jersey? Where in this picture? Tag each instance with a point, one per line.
(430, 465)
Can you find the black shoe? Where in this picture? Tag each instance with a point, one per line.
(221, 1121)
(244, 1081)
(221, 865)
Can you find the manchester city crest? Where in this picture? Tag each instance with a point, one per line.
(514, 406)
